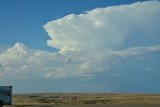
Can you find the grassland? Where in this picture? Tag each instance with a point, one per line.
(85, 100)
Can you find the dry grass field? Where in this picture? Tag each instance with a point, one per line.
(85, 100)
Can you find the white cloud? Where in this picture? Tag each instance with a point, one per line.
(115, 75)
(136, 51)
(150, 69)
(88, 43)
(112, 27)
(20, 62)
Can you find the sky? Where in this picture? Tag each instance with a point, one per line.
(80, 45)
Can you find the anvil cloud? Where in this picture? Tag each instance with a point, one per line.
(88, 43)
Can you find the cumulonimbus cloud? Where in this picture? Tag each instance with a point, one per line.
(88, 43)
(112, 27)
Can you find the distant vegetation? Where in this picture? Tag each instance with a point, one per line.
(87, 100)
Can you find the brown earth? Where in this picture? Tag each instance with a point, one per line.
(85, 100)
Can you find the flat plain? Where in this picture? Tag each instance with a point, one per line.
(85, 100)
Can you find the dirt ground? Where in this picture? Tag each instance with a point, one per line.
(85, 100)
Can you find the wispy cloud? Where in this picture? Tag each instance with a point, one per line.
(88, 43)
(150, 69)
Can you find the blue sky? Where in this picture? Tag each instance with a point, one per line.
(21, 21)
(80, 45)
